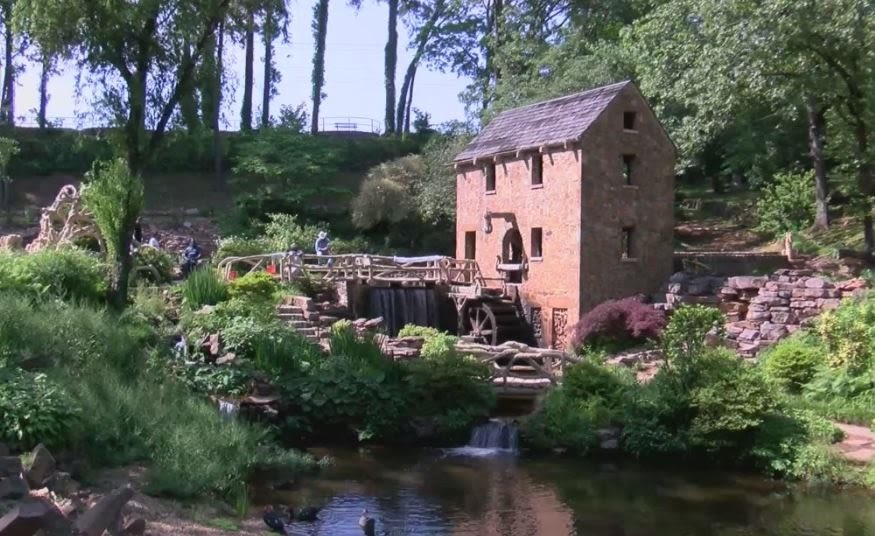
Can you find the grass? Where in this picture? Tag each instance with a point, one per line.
(203, 287)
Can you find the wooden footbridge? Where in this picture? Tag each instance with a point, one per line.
(487, 309)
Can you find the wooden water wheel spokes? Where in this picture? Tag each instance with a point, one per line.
(482, 324)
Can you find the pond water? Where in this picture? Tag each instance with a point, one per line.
(481, 493)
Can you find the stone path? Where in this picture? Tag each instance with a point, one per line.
(859, 443)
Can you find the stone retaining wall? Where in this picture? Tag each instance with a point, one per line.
(761, 310)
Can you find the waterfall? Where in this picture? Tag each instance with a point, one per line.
(494, 437)
(401, 306)
(227, 409)
(495, 434)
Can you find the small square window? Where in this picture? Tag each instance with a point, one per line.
(537, 170)
(628, 161)
(629, 120)
(627, 246)
(490, 177)
(470, 245)
(537, 243)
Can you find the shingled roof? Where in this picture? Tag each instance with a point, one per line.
(543, 123)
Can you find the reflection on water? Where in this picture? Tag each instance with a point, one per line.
(431, 493)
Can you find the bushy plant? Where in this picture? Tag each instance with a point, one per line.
(683, 340)
(66, 273)
(849, 334)
(564, 422)
(241, 246)
(793, 362)
(439, 345)
(153, 265)
(257, 286)
(588, 380)
(618, 324)
(787, 204)
(451, 391)
(284, 230)
(412, 330)
(33, 409)
(203, 287)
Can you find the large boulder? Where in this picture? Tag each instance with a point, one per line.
(41, 468)
(13, 488)
(23, 520)
(10, 466)
(106, 513)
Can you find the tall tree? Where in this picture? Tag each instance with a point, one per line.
(391, 63)
(248, 70)
(320, 31)
(134, 49)
(276, 22)
(47, 68)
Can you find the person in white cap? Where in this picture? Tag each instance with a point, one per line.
(323, 246)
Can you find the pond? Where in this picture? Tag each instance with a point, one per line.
(466, 492)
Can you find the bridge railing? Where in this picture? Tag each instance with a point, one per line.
(356, 267)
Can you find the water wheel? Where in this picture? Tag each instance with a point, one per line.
(493, 322)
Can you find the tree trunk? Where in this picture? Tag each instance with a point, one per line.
(391, 66)
(816, 136)
(492, 73)
(45, 72)
(7, 103)
(320, 30)
(217, 103)
(409, 103)
(268, 69)
(188, 102)
(120, 274)
(424, 35)
(207, 83)
(248, 74)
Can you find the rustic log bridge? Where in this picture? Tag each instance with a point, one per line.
(357, 267)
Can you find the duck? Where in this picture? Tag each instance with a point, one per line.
(307, 513)
(274, 520)
(367, 523)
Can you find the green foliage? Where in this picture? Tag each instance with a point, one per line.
(239, 246)
(153, 265)
(115, 198)
(384, 196)
(449, 390)
(284, 230)
(438, 346)
(33, 409)
(66, 273)
(786, 204)
(257, 286)
(793, 362)
(203, 287)
(564, 422)
(412, 330)
(683, 340)
(849, 334)
(588, 380)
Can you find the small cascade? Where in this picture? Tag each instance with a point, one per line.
(401, 306)
(495, 434)
(228, 409)
(494, 437)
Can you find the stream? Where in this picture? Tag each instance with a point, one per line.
(487, 492)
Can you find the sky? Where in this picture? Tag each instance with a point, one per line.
(353, 73)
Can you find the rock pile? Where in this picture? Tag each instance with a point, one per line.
(760, 310)
(48, 502)
(764, 310)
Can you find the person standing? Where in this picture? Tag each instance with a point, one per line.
(323, 245)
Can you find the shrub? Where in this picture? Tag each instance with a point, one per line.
(258, 286)
(787, 204)
(439, 345)
(618, 324)
(203, 287)
(412, 330)
(564, 422)
(849, 333)
(239, 246)
(283, 230)
(153, 265)
(683, 340)
(33, 409)
(66, 273)
(449, 390)
(591, 381)
(793, 362)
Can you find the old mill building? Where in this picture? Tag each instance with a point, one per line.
(569, 202)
